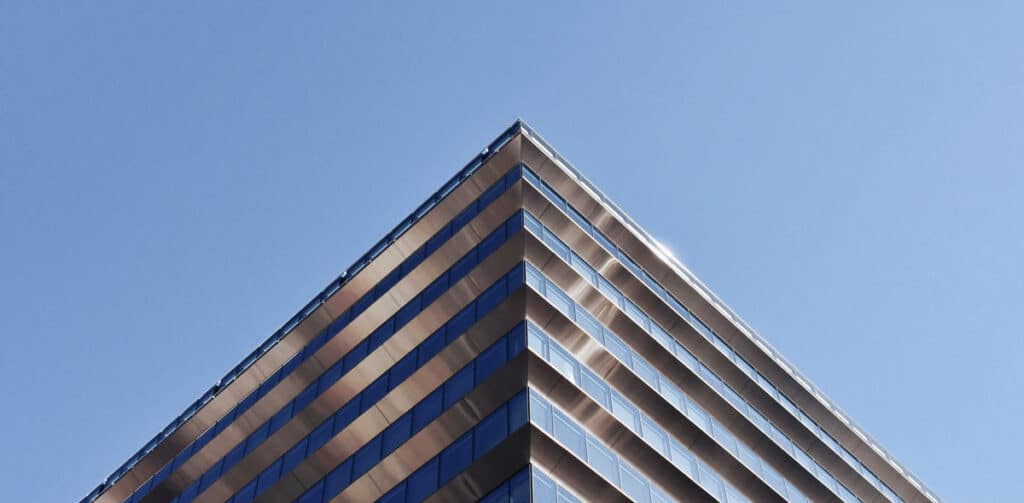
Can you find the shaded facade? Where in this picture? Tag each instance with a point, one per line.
(517, 338)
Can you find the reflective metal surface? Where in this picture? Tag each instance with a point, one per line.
(427, 443)
(570, 282)
(612, 371)
(458, 295)
(672, 275)
(334, 305)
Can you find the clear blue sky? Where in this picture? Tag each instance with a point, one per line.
(176, 181)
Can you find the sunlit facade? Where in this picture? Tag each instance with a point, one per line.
(517, 338)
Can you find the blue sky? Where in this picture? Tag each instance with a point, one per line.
(177, 180)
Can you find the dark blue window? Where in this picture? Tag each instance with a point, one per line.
(313, 495)
(463, 218)
(403, 369)
(492, 193)
(423, 482)
(385, 284)
(516, 340)
(305, 397)
(396, 434)
(456, 457)
(435, 289)
(414, 260)
(492, 242)
(375, 391)
(458, 385)
(491, 359)
(430, 347)
(346, 414)
(396, 495)
(427, 410)
(339, 478)
(460, 322)
(407, 312)
(492, 296)
(210, 475)
(256, 437)
(190, 492)
(281, 417)
(490, 431)
(463, 266)
(355, 355)
(332, 375)
(519, 487)
(383, 333)
(294, 456)
(518, 414)
(498, 495)
(321, 435)
(435, 242)
(247, 494)
(366, 457)
(268, 477)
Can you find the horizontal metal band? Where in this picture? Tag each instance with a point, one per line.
(503, 461)
(353, 289)
(457, 297)
(584, 201)
(570, 281)
(682, 376)
(293, 384)
(428, 442)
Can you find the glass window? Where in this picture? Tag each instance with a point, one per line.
(588, 273)
(635, 314)
(434, 290)
(534, 279)
(580, 221)
(338, 479)
(557, 245)
(366, 457)
(456, 457)
(543, 488)
(723, 436)
(395, 495)
(396, 434)
(681, 458)
(698, 416)
(710, 481)
(774, 479)
(430, 347)
(461, 322)
(560, 300)
(685, 357)
(458, 385)
(654, 435)
(589, 324)
(490, 431)
(564, 496)
(492, 296)
(346, 414)
(625, 411)
(563, 363)
(609, 290)
(375, 391)
(618, 348)
(519, 487)
(749, 458)
(658, 496)
(540, 412)
(661, 336)
(268, 476)
(673, 394)
(320, 435)
(294, 456)
(422, 482)
(427, 410)
(633, 484)
(592, 385)
(602, 460)
(491, 359)
(646, 372)
(518, 411)
(605, 242)
(570, 435)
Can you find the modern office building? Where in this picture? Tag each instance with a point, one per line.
(517, 338)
